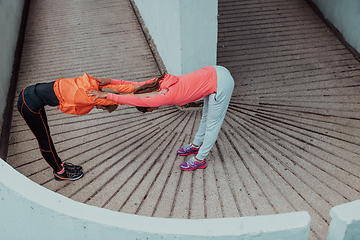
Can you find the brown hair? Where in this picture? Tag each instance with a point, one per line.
(151, 87)
(109, 108)
(147, 88)
(142, 109)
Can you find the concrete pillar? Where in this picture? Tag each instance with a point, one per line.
(184, 32)
(10, 19)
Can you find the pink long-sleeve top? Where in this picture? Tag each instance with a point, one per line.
(181, 89)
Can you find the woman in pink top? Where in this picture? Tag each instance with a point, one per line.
(213, 83)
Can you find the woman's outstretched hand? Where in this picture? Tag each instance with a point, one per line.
(103, 81)
(97, 94)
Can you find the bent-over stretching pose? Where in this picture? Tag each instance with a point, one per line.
(70, 96)
(213, 83)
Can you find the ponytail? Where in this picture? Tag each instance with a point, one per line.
(151, 87)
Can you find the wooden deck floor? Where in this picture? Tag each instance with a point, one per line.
(290, 141)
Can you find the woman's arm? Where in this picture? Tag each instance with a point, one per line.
(99, 94)
(105, 81)
(157, 99)
(151, 94)
(122, 88)
(154, 99)
(116, 82)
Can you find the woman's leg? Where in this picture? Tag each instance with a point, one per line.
(200, 134)
(217, 106)
(33, 112)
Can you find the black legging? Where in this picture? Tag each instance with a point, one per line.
(31, 104)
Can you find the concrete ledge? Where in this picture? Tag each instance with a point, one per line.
(29, 211)
(345, 223)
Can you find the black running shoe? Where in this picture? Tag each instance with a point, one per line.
(72, 167)
(68, 175)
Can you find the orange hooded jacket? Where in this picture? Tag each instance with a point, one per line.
(73, 98)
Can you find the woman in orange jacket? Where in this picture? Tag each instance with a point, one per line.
(69, 94)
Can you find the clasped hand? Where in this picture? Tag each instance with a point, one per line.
(97, 94)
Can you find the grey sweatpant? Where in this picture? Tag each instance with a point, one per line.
(214, 111)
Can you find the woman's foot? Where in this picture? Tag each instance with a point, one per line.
(192, 164)
(189, 149)
(67, 173)
(72, 167)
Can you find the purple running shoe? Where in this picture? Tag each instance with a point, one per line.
(191, 165)
(189, 149)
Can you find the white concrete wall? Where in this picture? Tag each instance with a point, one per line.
(345, 223)
(184, 32)
(10, 19)
(345, 16)
(29, 211)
